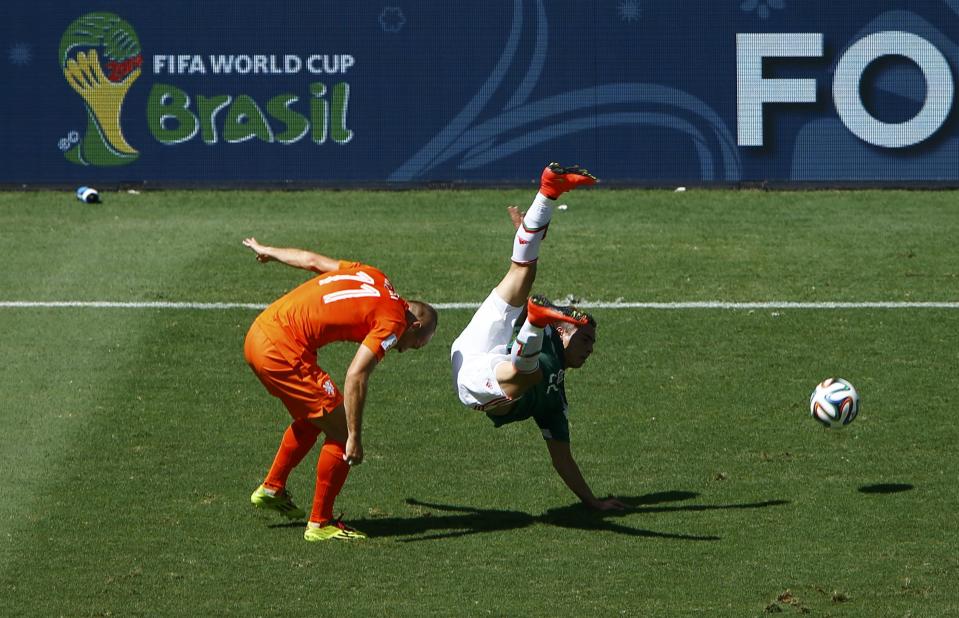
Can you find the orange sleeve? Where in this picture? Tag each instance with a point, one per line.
(346, 265)
(384, 336)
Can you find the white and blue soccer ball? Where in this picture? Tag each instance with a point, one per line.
(834, 403)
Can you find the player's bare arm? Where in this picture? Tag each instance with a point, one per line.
(354, 396)
(515, 216)
(569, 471)
(297, 258)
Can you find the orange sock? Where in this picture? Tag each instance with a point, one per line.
(299, 438)
(331, 473)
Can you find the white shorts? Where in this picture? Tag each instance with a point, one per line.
(482, 346)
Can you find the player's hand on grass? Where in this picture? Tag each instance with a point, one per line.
(353, 454)
(260, 250)
(607, 504)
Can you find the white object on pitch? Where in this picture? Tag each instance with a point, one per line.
(88, 195)
(834, 403)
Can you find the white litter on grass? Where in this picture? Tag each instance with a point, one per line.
(562, 207)
(679, 189)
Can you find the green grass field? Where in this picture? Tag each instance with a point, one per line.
(131, 438)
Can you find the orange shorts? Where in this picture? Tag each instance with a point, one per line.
(304, 388)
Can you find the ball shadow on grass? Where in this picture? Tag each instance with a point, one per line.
(886, 488)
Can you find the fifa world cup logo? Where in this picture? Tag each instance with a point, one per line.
(91, 40)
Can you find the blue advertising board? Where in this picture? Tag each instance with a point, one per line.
(410, 91)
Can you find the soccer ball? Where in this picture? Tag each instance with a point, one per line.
(834, 403)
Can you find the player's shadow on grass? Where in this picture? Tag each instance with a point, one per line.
(885, 488)
(459, 521)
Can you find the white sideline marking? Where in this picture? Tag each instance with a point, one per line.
(709, 304)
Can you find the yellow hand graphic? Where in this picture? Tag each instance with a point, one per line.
(103, 97)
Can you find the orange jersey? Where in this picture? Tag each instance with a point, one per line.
(355, 303)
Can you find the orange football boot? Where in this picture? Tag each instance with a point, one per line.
(541, 313)
(557, 179)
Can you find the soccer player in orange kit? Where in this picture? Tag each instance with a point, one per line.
(347, 301)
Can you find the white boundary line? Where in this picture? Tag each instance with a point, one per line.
(710, 304)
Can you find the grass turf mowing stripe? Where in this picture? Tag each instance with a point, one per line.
(717, 304)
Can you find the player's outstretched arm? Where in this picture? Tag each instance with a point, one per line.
(297, 258)
(569, 471)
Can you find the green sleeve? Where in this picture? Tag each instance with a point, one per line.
(554, 425)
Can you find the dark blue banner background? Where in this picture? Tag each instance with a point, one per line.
(416, 91)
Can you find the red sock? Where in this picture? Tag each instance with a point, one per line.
(297, 442)
(331, 473)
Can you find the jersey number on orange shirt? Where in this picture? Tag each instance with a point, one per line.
(364, 290)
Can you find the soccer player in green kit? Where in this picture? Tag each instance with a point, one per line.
(525, 379)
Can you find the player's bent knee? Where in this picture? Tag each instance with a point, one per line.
(514, 382)
(333, 424)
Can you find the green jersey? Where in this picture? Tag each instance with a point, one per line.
(546, 402)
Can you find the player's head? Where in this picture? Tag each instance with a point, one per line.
(422, 319)
(577, 341)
